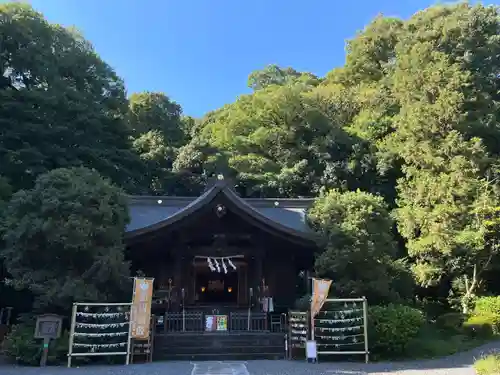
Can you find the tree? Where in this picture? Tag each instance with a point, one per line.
(153, 111)
(278, 141)
(359, 249)
(274, 75)
(64, 239)
(446, 169)
(62, 106)
(5, 192)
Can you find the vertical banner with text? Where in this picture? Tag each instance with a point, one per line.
(140, 319)
(321, 288)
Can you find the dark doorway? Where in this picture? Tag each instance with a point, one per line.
(216, 287)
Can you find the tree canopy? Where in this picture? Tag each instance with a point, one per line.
(360, 250)
(406, 129)
(62, 106)
(64, 239)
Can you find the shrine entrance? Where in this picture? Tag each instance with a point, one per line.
(216, 287)
(220, 281)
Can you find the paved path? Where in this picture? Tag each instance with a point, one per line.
(458, 364)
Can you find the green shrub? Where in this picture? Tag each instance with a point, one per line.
(488, 365)
(482, 325)
(392, 327)
(433, 309)
(451, 322)
(20, 346)
(487, 306)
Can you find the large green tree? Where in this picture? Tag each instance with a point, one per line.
(62, 106)
(360, 252)
(426, 100)
(282, 140)
(449, 186)
(64, 239)
(154, 111)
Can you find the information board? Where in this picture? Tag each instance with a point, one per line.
(215, 323)
(48, 327)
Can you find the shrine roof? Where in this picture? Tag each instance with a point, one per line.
(150, 212)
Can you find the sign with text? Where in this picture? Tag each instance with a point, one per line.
(48, 326)
(140, 317)
(216, 323)
(321, 288)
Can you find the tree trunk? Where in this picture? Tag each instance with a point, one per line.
(470, 288)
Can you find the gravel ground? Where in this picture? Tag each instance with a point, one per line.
(458, 364)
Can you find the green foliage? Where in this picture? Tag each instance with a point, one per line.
(73, 222)
(483, 325)
(152, 111)
(408, 128)
(274, 75)
(62, 106)
(283, 141)
(487, 306)
(355, 229)
(433, 342)
(20, 346)
(488, 365)
(5, 190)
(391, 329)
(433, 309)
(485, 318)
(451, 322)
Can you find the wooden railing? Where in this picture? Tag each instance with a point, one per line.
(184, 322)
(237, 322)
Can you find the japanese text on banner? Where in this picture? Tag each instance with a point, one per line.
(141, 308)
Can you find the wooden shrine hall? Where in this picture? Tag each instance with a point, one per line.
(226, 270)
(220, 250)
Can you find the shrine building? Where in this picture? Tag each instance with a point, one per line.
(226, 270)
(220, 250)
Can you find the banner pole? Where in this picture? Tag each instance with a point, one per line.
(183, 292)
(131, 318)
(365, 318)
(312, 307)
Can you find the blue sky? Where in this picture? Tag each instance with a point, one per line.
(200, 52)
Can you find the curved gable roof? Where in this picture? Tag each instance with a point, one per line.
(287, 216)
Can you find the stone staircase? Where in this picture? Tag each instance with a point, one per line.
(219, 346)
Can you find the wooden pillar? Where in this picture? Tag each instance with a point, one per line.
(258, 272)
(243, 285)
(178, 278)
(191, 279)
(256, 283)
(178, 282)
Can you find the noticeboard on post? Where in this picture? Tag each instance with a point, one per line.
(48, 326)
(140, 317)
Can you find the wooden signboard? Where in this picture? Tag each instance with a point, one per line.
(48, 327)
(140, 319)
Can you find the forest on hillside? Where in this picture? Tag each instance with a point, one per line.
(407, 131)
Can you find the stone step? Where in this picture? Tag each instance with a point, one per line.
(219, 345)
(233, 349)
(219, 340)
(218, 357)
